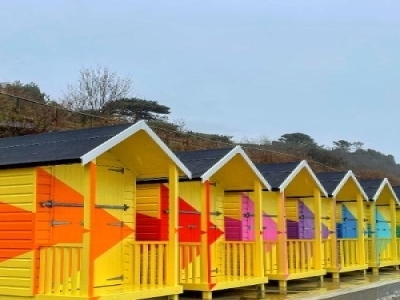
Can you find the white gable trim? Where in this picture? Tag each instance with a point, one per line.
(115, 140)
(385, 181)
(237, 150)
(300, 166)
(349, 175)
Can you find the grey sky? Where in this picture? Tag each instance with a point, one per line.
(329, 69)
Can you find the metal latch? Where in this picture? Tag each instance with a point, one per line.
(214, 270)
(51, 203)
(109, 206)
(120, 224)
(55, 223)
(192, 226)
(248, 215)
(325, 218)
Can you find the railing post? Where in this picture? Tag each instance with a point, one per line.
(318, 231)
(258, 218)
(87, 268)
(374, 252)
(172, 252)
(204, 249)
(282, 248)
(360, 227)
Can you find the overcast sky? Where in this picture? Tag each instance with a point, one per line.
(330, 69)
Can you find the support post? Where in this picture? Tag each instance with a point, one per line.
(173, 263)
(282, 255)
(333, 239)
(360, 227)
(87, 269)
(258, 223)
(204, 249)
(318, 231)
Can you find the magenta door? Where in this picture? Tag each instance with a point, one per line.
(248, 218)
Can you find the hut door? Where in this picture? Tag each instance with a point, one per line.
(109, 226)
(248, 218)
(383, 226)
(349, 222)
(306, 222)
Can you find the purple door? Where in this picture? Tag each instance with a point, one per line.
(248, 218)
(306, 222)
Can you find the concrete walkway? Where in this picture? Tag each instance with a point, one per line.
(352, 286)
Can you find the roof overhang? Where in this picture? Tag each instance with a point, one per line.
(130, 131)
(302, 165)
(223, 161)
(349, 175)
(384, 182)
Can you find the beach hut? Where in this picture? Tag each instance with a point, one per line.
(381, 223)
(342, 254)
(220, 227)
(302, 220)
(396, 189)
(67, 215)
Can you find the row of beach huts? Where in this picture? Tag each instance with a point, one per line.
(111, 213)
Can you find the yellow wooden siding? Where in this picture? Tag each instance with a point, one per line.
(292, 209)
(232, 205)
(17, 192)
(148, 200)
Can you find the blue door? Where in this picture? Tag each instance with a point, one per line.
(348, 227)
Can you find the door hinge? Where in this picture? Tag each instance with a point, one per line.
(272, 216)
(56, 223)
(215, 213)
(120, 224)
(121, 277)
(191, 226)
(118, 170)
(213, 227)
(325, 218)
(51, 203)
(109, 206)
(214, 270)
(189, 212)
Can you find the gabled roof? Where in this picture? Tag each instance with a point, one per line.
(205, 163)
(73, 146)
(396, 189)
(279, 175)
(373, 188)
(333, 182)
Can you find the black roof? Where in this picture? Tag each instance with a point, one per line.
(396, 189)
(330, 180)
(276, 173)
(54, 147)
(200, 161)
(370, 186)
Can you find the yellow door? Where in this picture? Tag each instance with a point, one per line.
(109, 226)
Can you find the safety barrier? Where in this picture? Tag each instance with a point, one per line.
(59, 269)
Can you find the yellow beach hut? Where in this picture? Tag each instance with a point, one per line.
(220, 227)
(302, 221)
(381, 223)
(342, 254)
(396, 189)
(67, 215)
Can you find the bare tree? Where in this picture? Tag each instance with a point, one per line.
(96, 87)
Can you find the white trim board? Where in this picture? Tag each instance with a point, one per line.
(223, 161)
(123, 135)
